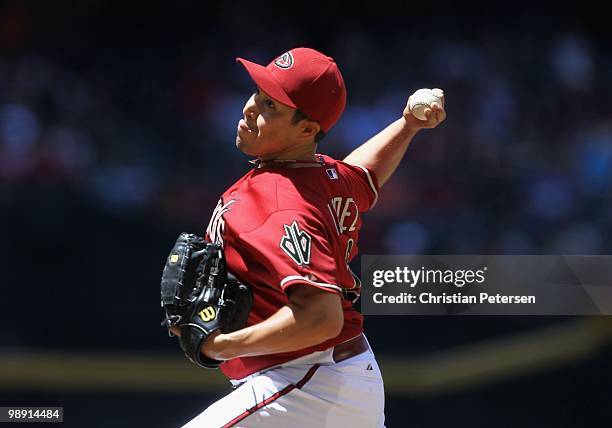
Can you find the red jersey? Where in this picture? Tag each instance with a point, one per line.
(281, 227)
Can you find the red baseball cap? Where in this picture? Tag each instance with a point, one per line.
(304, 79)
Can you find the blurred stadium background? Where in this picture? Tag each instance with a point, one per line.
(117, 125)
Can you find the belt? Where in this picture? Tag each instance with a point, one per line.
(350, 348)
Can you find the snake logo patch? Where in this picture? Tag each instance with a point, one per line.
(296, 244)
(208, 313)
(284, 61)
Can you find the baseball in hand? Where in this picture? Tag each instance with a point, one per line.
(423, 99)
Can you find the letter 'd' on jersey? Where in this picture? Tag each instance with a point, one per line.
(296, 243)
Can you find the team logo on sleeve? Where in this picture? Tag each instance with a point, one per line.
(296, 243)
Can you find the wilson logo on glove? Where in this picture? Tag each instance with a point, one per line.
(208, 313)
(199, 296)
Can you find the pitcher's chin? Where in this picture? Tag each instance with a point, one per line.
(242, 146)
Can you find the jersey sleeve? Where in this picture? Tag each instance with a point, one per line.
(363, 183)
(294, 248)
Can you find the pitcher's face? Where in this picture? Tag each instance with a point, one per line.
(266, 129)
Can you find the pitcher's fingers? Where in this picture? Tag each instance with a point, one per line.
(442, 115)
(440, 94)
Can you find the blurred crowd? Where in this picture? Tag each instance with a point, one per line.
(522, 165)
(117, 132)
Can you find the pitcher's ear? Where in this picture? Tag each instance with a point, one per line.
(310, 128)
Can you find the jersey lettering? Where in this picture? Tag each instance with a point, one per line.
(296, 243)
(353, 293)
(347, 212)
(216, 227)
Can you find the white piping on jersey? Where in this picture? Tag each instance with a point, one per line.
(333, 215)
(303, 278)
(371, 185)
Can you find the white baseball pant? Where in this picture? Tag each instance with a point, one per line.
(310, 392)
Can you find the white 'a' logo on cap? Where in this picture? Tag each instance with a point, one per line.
(284, 61)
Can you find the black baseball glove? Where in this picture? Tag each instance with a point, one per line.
(200, 296)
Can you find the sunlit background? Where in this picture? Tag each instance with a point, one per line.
(117, 128)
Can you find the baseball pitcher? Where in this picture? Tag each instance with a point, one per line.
(267, 294)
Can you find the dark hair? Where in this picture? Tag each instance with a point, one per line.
(298, 116)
